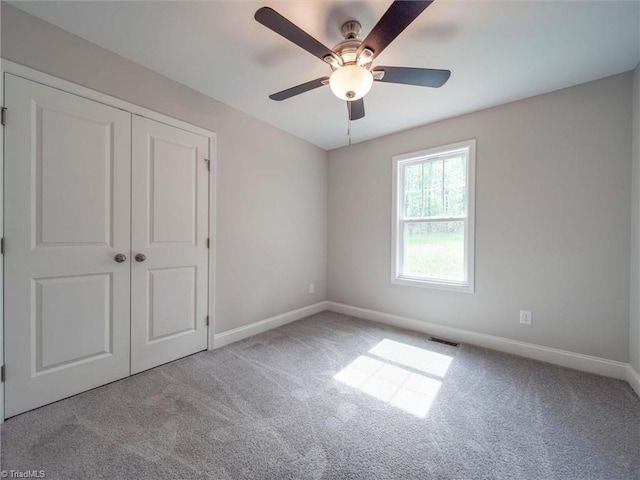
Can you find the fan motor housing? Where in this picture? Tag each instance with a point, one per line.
(347, 49)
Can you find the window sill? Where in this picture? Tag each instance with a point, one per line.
(436, 285)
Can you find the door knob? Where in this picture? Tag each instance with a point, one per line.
(121, 257)
(140, 257)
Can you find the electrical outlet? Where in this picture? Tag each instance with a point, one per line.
(312, 288)
(526, 317)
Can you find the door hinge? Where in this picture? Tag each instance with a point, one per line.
(2, 245)
(207, 323)
(4, 116)
(208, 243)
(208, 163)
(2, 377)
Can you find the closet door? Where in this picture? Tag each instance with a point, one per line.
(67, 174)
(170, 224)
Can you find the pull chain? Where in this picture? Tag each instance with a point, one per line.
(349, 123)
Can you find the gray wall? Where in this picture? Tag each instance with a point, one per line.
(634, 318)
(553, 200)
(272, 187)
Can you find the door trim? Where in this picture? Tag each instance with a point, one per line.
(70, 87)
(27, 73)
(2, 255)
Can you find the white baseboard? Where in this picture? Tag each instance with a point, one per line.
(586, 363)
(633, 378)
(240, 333)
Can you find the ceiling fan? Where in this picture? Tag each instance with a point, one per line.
(351, 60)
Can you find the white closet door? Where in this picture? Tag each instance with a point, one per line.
(170, 224)
(67, 174)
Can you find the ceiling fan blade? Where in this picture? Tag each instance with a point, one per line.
(423, 77)
(298, 89)
(356, 109)
(276, 22)
(398, 17)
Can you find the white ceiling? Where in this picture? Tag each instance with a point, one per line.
(497, 52)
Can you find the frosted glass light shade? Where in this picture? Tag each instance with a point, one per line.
(351, 82)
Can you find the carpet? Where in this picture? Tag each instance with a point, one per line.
(335, 397)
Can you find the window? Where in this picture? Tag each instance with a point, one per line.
(433, 217)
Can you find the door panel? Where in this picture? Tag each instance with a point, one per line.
(73, 170)
(170, 224)
(67, 308)
(172, 292)
(78, 308)
(173, 187)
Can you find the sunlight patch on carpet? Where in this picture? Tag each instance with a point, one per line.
(390, 373)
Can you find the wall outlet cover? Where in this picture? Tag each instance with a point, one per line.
(526, 317)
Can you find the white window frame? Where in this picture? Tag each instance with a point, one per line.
(398, 219)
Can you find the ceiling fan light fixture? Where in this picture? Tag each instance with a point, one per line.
(365, 57)
(351, 82)
(333, 60)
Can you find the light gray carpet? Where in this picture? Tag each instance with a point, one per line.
(269, 407)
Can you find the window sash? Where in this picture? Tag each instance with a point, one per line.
(403, 164)
(433, 219)
(401, 251)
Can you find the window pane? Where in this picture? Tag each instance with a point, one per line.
(434, 250)
(455, 175)
(413, 190)
(435, 188)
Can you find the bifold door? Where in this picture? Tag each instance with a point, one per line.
(106, 264)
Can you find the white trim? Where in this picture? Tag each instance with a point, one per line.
(577, 361)
(398, 163)
(213, 182)
(1, 256)
(633, 378)
(240, 333)
(436, 284)
(75, 89)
